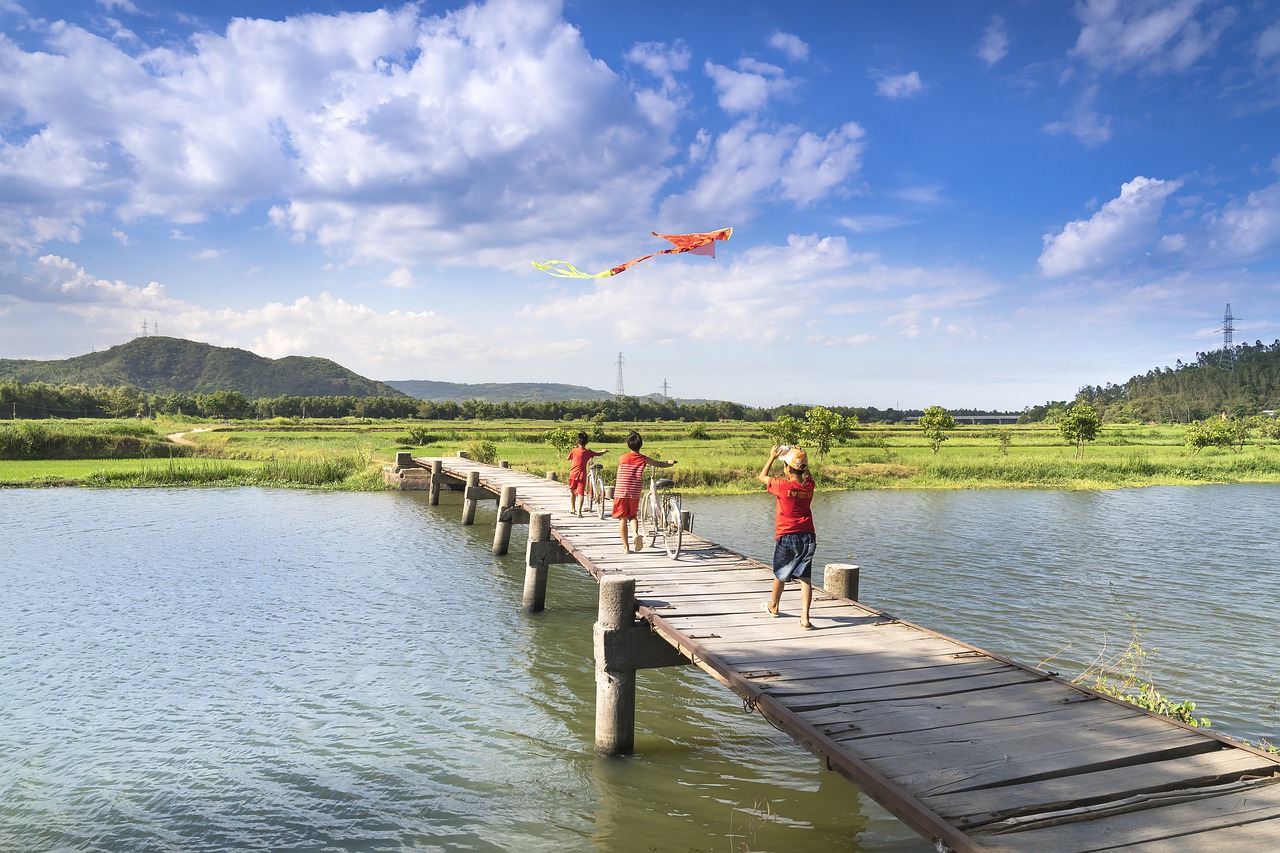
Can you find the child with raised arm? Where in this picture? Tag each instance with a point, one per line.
(794, 539)
(630, 484)
(579, 458)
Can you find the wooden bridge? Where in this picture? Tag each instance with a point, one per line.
(972, 750)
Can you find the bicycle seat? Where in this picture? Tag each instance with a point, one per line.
(596, 466)
(665, 483)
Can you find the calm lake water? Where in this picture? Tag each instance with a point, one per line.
(276, 670)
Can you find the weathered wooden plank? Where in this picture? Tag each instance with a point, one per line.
(988, 805)
(1243, 820)
(927, 765)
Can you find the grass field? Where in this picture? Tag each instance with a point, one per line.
(713, 458)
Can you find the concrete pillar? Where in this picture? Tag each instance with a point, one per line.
(502, 531)
(615, 672)
(686, 520)
(404, 459)
(503, 463)
(535, 567)
(437, 474)
(552, 476)
(841, 579)
(469, 497)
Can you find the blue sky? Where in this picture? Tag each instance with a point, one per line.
(934, 203)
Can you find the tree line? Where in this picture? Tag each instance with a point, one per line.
(43, 400)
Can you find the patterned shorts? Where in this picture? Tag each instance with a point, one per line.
(793, 556)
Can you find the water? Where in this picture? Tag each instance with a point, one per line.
(277, 670)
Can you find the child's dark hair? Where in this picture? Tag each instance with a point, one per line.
(582, 439)
(634, 441)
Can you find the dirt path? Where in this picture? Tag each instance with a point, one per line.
(181, 437)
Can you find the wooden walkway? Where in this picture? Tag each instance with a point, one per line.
(972, 750)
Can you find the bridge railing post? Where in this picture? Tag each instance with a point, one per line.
(841, 579)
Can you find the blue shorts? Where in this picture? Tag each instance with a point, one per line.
(793, 556)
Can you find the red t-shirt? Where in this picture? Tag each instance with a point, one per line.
(794, 514)
(578, 459)
(630, 475)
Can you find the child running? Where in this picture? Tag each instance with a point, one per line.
(579, 457)
(626, 491)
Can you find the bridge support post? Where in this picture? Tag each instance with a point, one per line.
(542, 551)
(502, 531)
(615, 671)
(470, 497)
(623, 644)
(433, 490)
(841, 579)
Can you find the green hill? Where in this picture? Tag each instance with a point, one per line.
(496, 392)
(161, 365)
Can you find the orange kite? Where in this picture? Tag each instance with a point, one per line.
(699, 244)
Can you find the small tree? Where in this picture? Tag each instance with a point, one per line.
(1004, 438)
(1080, 424)
(935, 422)
(824, 428)
(561, 439)
(784, 430)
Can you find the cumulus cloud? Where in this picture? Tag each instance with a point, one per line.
(1124, 226)
(791, 45)
(897, 86)
(751, 163)
(994, 45)
(748, 88)
(1246, 229)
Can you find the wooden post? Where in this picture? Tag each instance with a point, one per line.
(437, 474)
(502, 532)
(841, 579)
(535, 564)
(615, 671)
(469, 497)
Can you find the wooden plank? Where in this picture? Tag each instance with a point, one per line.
(927, 765)
(987, 805)
(1242, 820)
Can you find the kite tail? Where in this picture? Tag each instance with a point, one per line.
(564, 269)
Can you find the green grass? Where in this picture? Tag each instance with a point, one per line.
(350, 453)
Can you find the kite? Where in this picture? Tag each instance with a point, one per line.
(699, 244)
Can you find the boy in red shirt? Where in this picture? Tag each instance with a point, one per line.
(578, 459)
(630, 484)
(795, 541)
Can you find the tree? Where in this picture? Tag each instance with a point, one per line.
(824, 428)
(784, 429)
(935, 422)
(1080, 424)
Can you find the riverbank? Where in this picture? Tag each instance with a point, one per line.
(719, 458)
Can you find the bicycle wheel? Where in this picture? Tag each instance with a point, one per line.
(674, 530)
(599, 486)
(649, 517)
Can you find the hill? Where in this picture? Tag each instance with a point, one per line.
(162, 365)
(496, 392)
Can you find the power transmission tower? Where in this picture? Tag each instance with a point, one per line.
(617, 391)
(665, 389)
(1227, 328)
(144, 328)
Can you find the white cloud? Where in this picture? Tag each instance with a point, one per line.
(749, 88)
(1084, 121)
(206, 255)
(750, 164)
(1247, 229)
(402, 278)
(898, 86)
(994, 45)
(1111, 236)
(1154, 36)
(795, 49)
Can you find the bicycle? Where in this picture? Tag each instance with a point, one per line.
(660, 515)
(594, 497)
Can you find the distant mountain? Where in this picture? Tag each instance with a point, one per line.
(161, 365)
(496, 392)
